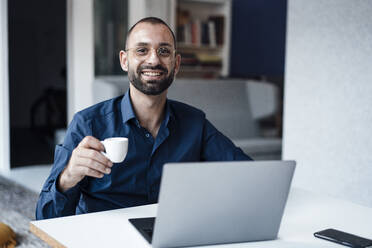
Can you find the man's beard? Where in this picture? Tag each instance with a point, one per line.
(151, 87)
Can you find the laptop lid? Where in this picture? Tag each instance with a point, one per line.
(204, 203)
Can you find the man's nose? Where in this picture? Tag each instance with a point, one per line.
(153, 57)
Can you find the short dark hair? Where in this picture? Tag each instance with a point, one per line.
(152, 20)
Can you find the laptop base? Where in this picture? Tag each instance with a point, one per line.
(145, 226)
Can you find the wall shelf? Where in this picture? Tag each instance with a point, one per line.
(202, 28)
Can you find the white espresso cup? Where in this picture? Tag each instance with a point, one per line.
(116, 148)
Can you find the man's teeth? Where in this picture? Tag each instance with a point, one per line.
(147, 73)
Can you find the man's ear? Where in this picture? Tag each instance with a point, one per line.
(177, 64)
(123, 56)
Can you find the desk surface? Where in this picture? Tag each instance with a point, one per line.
(305, 214)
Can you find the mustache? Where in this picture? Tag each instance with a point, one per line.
(148, 67)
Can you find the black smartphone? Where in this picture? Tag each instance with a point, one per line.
(344, 238)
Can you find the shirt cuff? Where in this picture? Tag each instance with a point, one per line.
(62, 200)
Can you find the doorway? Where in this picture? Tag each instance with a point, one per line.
(37, 79)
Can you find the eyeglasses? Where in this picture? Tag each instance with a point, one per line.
(142, 52)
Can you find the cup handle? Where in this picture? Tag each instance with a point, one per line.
(104, 153)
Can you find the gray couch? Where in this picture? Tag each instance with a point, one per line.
(233, 106)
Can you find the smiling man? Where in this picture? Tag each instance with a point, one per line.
(159, 130)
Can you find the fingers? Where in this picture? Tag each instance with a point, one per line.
(94, 155)
(92, 142)
(91, 164)
(91, 172)
(87, 160)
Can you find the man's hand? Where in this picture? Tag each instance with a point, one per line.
(86, 160)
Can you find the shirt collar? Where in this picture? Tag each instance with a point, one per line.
(169, 115)
(127, 111)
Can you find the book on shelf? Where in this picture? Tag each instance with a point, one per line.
(212, 34)
(189, 59)
(201, 59)
(209, 60)
(219, 24)
(200, 40)
(204, 34)
(181, 33)
(187, 34)
(196, 32)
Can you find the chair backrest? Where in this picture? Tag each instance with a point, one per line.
(225, 103)
(263, 98)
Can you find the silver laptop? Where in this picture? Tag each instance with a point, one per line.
(203, 203)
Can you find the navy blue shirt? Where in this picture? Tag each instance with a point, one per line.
(185, 135)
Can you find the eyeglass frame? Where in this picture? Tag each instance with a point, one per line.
(173, 51)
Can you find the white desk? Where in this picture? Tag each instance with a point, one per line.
(305, 214)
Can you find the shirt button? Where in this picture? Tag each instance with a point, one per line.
(147, 135)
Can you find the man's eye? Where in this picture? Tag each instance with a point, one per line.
(163, 51)
(141, 51)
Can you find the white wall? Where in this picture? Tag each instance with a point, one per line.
(163, 9)
(4, 90)
(328, 96)
(80, 55)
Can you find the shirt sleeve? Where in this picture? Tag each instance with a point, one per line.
(217, 147)
(53, 203)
